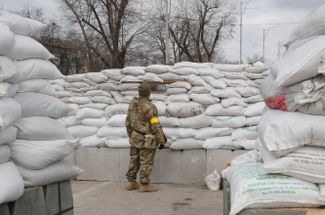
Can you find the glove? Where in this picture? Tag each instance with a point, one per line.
(161, 146)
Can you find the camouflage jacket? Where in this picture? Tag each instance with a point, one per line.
(142, 119)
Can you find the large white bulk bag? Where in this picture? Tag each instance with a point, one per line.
(89, 113)
(233, 102)
(41, 128)
(27, 48)
(247, 91)
(218, 143)
(199, 121)
(161, 107)
(68, 121)
(80, 131)
(118, 143)
(4, 154)
(12, 184)
(95, 122)
(112, 132)
(117, 120)
(37, 86)
(260, 190)
(219, 110)
(175, 91)
(133, 70)
(245, 133)
(228, 122)
(179, 133)
(180, 109)
(306, 163)
(59, 171)
(8, 70)
(96, 77)
(8, 90)
(178, 98)
(36, 104)
(225, 93)
(157, 68)
(114, 74)
(255, 109)
(8, 135)
(40, 154)
(186, 144)
(284, 132)
(204, 99)
(180, 84)
(184, 71)
(169, 121)
(206, 133)
(19, 24)
(10, 112)
(92, 141)
(300, 62)
(7, 39)
(116, 109)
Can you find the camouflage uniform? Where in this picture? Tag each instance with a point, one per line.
(142, 124)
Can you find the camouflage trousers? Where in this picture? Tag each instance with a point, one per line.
(143, 160)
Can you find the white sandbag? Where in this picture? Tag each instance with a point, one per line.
(215, 83)
(116, 109)
(80, 131)
(79, 100)
(180, 109)
(8, 90)
(75, 108)
(170, 76)
(4, 154)
(225, 93)
(255, 109)
(92, 141)
(40, 154)
(253, 99)
(95, 122)
(184, 71)
(68, 121)
(199, 121)
(195, 80)
(210, 72)
(157, 68)
(158, 97)
(252, 120)
(150, 77)
(307, 163)
(36, 104)
(109, 86)
(63, 94)
(234, 75)
(213, 181)
(186, 144)
(245, 144)
(175, 91)
(114, 74)
(161, 107)
(233, 102)
(204, 99)
(169, 122)
(129, 78)
(246, 133)
(96, 77)
(255, 75)
(178, 98)
(133, 70)
(12, 184)
(98, 106)
(37, 86)
(218, 143)
(102, 99)
(300, 62)
(258, 67)
(206, 133)
(97, 93)
(78, 85)
(112, 132)
(180, 84)
(20, 25)
(59, 171)
(236, 83)
(8, 135)
(119, 98)
(8, 70)
(179, 133)
(89, 113)
(247, 91)
(322, 192)
(10, 112)
(219, 110)
(74, 78)
(41, 128)
(230, 67)
(228, 122)
(118, 143)
(192, 64)
(117, 120)
(284, 132)
(312, 25)
(7, 39)
(130, 93)
(28, 48)
(260, 190)
(199, 90)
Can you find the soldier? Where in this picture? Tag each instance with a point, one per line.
(145, 134)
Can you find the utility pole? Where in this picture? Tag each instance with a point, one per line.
(241, 33)
(264, 36)
(167, 33)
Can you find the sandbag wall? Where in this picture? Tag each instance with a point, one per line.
(211, 106)
(32, 141)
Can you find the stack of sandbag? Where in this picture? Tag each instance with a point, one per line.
(42, 142)
(201, 105)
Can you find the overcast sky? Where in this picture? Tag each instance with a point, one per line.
(277, 17)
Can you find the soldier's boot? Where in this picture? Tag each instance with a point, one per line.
(147, 188)
(132, 185)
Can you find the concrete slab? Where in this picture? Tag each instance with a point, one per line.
(66, 199)
(4, 209)
(51, 193)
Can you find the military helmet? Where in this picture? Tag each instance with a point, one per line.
(144, 89)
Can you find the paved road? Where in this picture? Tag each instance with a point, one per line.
(111, 198)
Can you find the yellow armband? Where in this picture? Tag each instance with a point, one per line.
(154, 120)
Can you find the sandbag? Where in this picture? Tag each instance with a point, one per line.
(150, 77)
(213, 181)
(10, 112)
(74, 78)
(215, 83)
(37, 86)
(175, 91)
(169, 121)
(245, 133)
(245, 144)
(129, 78)
(96, 77)
(233, 102)
(195, 80)
(112, 132)
(253, 99)
(36, 104)
(118, 143)
(184, 71)
(230, 67)
(218, 143)
(8, 70)
(247, 91)
(180, 84)
(12, 184)
(68, 121)
(157, 68)
(206, 133)
(92, 141)
(80, 131)
(215, 73)
(89, 113)
(260, 190)
(59, 171)
(8, 90)
(157, 97)
(186, 144)
(109, 86)
(130, 93)
(252, 120)
(114, 74)
(178, 98)
(78, 84)
(97, 93)
(204, 99)
(225, 93)
(8, 135)
(219, 110)
(179, 133)
(4, 154)
(228, 122)
(119, 98)
(170, 76)
(41, 128)
(116, 109)
(79, 100)
(98, 106)
(199, 121)
(27, 48)
(133, 70)
(117, 120)
(102, 99)
(180, 109)
(7, 39)
(40, 154)
(95, 122)
(75, 109)
(161, 107)
(236, 83)
(199, 90)
(193, 65)
(234, 75)
(255, 109)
